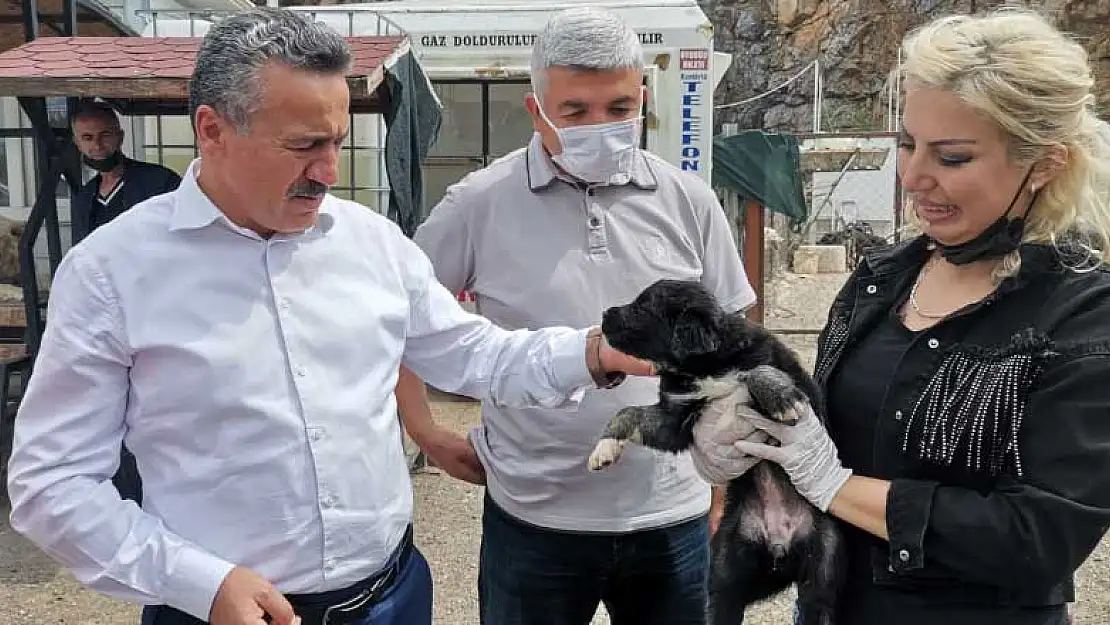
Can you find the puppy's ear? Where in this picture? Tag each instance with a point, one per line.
(695, 333)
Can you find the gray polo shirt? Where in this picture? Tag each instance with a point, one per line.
(537, 250)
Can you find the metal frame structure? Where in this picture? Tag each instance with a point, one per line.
(54, 159)
(152, 96)
(58, 159)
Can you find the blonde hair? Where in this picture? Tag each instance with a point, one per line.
(1015, 68)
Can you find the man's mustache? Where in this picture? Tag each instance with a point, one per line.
(307, 189)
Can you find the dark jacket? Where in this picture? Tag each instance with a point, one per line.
(141, 181)
(994, 428)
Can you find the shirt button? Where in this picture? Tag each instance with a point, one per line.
(594, 222)
(898, 415)
(329, 501)
(300, 372)
(904, 555)
(872, 289)
(933, 343)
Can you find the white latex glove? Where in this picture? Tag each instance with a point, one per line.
(724, 422)
(806, 453)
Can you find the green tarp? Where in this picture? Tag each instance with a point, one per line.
(762, 166)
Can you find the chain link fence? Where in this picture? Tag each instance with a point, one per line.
(853, 201)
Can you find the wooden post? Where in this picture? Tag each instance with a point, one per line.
(753, 256)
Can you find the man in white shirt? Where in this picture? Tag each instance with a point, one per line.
(579, 220)
(243, 335)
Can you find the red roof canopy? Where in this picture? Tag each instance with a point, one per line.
(153, 72)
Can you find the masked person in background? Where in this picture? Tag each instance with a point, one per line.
(120, 182)
(579, 220)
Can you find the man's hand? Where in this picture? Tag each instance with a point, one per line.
(454, 454)
(447, 450)
(245, 598)
(613, 361)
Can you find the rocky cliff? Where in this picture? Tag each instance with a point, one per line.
(856, 43)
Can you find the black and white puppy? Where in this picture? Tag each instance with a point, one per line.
(769, 536)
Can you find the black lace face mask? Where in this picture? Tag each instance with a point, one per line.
(104, 164)
(1000, 238)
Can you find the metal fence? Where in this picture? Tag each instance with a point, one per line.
(854, 199)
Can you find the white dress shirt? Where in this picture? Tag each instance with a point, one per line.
(253, 380)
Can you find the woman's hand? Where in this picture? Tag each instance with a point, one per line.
(723, 422)
(806, 453)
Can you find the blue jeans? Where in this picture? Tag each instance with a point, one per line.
(407, 602)
(534, 576)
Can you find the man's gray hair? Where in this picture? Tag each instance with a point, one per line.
(584, 38)
(235, 50)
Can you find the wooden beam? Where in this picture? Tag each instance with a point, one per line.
(753, 256)
(143, 88)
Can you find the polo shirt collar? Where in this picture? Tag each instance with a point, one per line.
(542, 171)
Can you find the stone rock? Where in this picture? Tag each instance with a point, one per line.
(805, 260)
(857, 44)
(774, 251)
(820, 259)
(793, 12)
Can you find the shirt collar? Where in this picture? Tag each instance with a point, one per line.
(542, 171)
(193, 209)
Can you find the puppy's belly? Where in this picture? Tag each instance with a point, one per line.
(778, 516)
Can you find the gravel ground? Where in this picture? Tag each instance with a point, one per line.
(34, 591)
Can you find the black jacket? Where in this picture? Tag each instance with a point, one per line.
(141, 181)
(994, 429)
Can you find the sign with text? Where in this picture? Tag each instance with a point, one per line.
(693, 60)
(693, 93)
(502, 40)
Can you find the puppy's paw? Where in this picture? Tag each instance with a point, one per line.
(607, 451)
(776, 394)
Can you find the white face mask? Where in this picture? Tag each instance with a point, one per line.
(598, 153)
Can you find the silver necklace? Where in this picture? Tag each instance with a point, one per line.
(913, 295)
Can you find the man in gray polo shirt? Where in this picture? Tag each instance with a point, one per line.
(579, 220)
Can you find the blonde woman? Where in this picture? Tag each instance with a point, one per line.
(967, 371)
